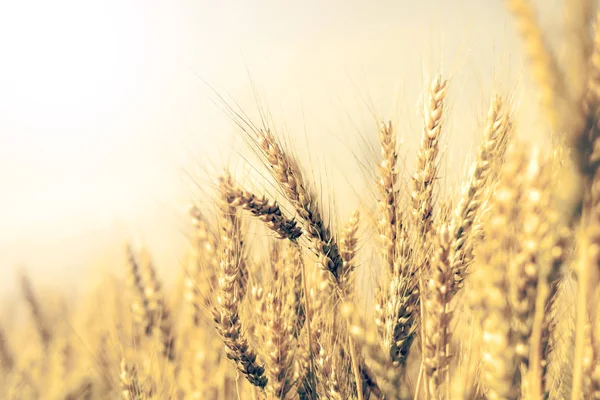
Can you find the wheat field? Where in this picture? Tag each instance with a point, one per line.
(491, 293)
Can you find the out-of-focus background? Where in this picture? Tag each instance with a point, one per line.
(106, 112)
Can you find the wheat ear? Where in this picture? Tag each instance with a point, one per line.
(491, 288)
(389, 197)
(490, 157)
(426, 171)
(227, 308)
(266, 211)
(543, 63)
(437, 295)
(288, 175)
(36, 311)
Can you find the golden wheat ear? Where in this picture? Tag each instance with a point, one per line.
(427, 163)
(490, 157)
(398, 302)
(348, 249)
(543, 62)
(266, 211)
(140, 306)
(437, 293)
(226, 309)
(35, 308)
(201, 272)
(499, 369)
(287, 173)
(386, 377)
(280, 342)
(155, 311)
(564, 91)
(159, 307)
(388, 204)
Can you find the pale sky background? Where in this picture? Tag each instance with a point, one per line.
(103, 108)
